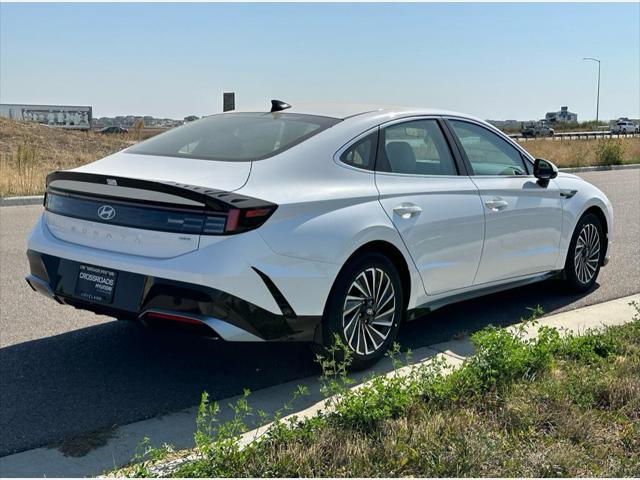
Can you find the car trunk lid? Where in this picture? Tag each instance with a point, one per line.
(146, 215)
(227, 176)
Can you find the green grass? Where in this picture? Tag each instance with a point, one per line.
(549, 406)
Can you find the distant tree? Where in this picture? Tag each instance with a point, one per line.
(191, 118)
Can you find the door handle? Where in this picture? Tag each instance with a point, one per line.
(407, 210)
(496, 204)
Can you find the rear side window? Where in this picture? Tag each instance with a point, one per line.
(487, 152)
(235, 136)
(416, 147)
(362, 154)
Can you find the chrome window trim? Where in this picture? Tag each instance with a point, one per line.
(410, 118)
(414, 175)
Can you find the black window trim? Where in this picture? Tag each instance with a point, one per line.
(524, 155)
(457, 159)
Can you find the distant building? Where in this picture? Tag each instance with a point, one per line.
(59, 116)
(564, 115)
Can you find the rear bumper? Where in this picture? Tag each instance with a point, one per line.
(225, 263)
(139, 296)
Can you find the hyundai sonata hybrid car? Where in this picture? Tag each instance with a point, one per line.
(301, 224)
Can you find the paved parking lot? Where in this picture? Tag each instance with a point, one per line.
(65, 373)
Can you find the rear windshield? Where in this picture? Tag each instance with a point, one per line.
(235, 136)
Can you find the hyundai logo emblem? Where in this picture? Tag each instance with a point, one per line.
(106, 212)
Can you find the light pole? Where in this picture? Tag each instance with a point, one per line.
(598, 96)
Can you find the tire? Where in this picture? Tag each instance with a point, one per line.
(584, 257)
(367, 322)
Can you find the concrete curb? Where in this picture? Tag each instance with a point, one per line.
(177, 428)
(20, 201)
(39, 199)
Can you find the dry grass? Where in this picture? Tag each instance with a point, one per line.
(28, 152)
(580, 419)
(550, 407)
(579, 153)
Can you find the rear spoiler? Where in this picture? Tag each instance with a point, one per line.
(217, 212)
(215, 200)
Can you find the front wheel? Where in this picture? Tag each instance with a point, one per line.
(585, 254)
(364, 309)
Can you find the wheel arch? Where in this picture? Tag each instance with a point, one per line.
(392, 253)
(599, 213)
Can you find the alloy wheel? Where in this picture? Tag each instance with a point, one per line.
(587, 253)
(369, 311)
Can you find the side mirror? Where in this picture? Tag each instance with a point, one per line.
(544, 171)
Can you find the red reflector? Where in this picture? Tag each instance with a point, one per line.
(175, 318)
(232, 219)
(258, 212)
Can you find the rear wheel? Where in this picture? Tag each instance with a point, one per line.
(364, 309)
(585, 254)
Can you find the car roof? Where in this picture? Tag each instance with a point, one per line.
(347, 110)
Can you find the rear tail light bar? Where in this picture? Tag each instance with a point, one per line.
(221, 213)
(172, 317)
(239, 220)
(164, 319)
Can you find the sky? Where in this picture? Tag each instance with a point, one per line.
(494, 61)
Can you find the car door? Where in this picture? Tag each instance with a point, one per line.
(523, 219)
(436, 209)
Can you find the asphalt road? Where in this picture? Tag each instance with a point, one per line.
(64, 373)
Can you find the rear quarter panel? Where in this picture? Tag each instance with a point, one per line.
(326, 211)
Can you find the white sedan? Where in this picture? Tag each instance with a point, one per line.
(303, 224)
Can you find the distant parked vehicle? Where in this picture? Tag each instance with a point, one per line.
(625, 126)
(112, 130)
(537, 129)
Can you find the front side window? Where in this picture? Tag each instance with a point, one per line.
(362, 154)
(416, 147)
(235, 136)
(487, 152)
